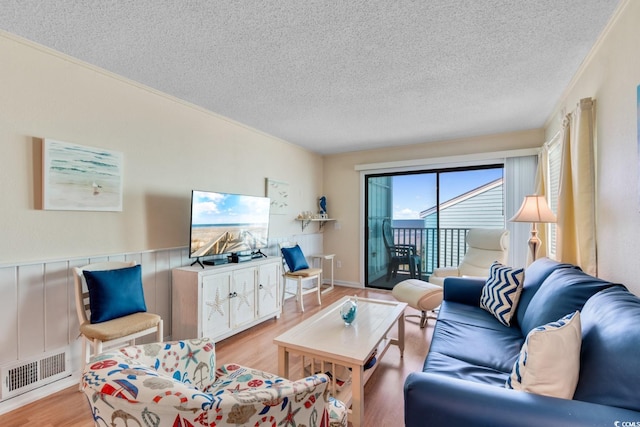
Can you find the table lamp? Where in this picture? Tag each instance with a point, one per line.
(535, 210)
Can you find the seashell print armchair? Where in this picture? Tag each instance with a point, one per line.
(178, 383)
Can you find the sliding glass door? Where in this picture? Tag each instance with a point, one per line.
(425, 216)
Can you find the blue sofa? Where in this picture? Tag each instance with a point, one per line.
(472, 355)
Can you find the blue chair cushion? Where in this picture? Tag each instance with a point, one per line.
(115, 293)
(294, 258)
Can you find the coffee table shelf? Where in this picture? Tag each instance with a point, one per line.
(324, 339)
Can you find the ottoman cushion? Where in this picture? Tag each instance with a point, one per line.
(418, 294)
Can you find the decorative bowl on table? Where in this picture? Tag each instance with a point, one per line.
(349, 310)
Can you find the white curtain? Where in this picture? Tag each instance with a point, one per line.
(576, 240)
(519, 178)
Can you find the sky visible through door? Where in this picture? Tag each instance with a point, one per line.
(415, 193)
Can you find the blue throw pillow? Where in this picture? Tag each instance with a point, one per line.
(294, 258)
(115, 293)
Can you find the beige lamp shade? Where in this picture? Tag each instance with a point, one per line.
(534, 209)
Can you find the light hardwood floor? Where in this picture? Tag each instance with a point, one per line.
(384, 402)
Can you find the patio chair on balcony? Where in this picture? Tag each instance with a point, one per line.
(484, 247)
(400, 254)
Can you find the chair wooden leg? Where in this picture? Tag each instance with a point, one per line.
(319, 288)
(299, 296)
(85, 358)
(97, 347)
(85, 350)
(160, 332)
(88, 347)
(284, 290)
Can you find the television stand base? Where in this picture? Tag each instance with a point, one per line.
(197, 261)
(258, 254)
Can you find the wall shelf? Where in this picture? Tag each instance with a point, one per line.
(304, 222)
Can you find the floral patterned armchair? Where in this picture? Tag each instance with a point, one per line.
(177, 384)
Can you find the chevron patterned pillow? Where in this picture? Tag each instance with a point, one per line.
(501, 293)
(549, 361)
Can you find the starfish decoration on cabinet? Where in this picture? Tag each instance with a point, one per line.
(268, 290)
(244, 296)
(217, 305)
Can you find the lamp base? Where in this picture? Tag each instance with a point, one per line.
(534, 242)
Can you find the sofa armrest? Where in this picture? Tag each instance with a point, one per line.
(259, 390)
(465, 290)
(275, 397)
(116, 375)
(432, 399)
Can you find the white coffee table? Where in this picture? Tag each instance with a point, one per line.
(324, 339)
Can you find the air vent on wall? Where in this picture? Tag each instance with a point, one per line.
(28, 375)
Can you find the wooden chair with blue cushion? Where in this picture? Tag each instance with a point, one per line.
(110, 306)
(295, 267)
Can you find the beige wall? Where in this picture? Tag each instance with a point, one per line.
(169, 149)
(611, 75)
(342, 187)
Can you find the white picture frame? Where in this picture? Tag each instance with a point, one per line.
(80, 178)
(278, 192)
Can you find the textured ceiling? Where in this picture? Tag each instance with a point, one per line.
(335, 76)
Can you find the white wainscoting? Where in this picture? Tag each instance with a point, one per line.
(37, 307)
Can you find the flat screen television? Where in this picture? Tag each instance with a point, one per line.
(224, 223)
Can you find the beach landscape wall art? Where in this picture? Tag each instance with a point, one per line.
(76, 177)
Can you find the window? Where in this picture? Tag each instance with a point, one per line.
(553, 183)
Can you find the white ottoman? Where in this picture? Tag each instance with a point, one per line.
(421, 295)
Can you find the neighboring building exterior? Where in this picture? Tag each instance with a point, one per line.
(482, 207)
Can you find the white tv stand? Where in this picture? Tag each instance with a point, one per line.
(220, 301)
